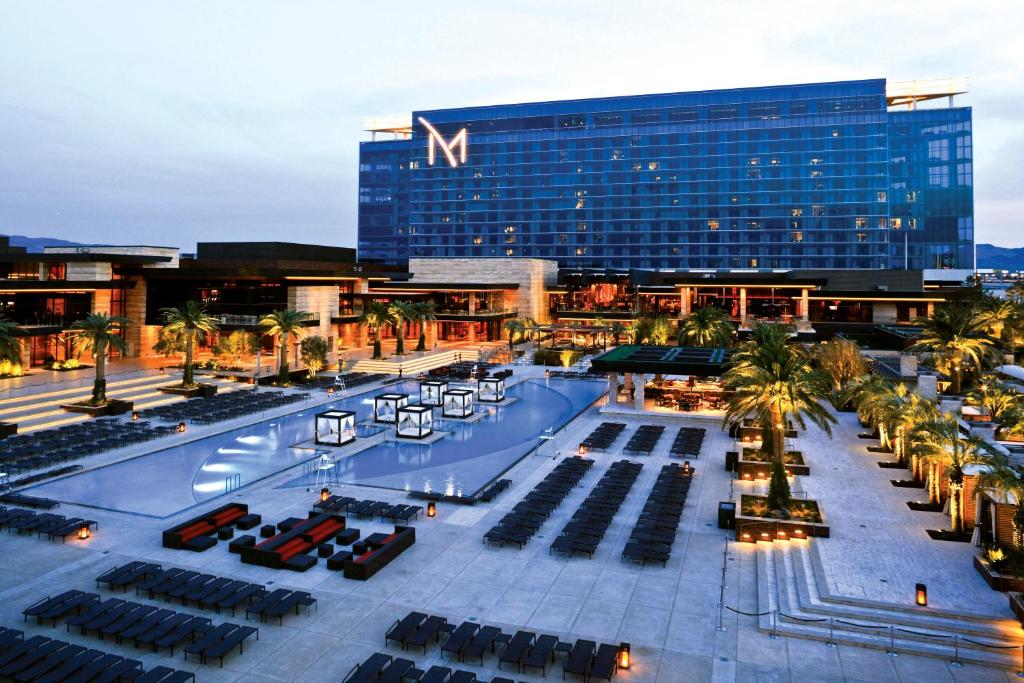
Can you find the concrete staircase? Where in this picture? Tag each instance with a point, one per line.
(33, 412)
(412, 364)
(794, 593)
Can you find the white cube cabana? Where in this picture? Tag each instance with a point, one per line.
(491, 389)
(335, 427)
(385, 407)
(431, 392)
(457, 403)
(415, 422)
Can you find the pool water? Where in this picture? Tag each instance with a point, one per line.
(165, 482)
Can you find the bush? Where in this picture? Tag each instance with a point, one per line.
(9, 369)
(556, 357)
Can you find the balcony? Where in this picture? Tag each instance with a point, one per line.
(460, 314)
(235, 320)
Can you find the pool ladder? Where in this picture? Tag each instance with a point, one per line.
(232, 482)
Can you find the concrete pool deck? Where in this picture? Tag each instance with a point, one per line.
(668, 614)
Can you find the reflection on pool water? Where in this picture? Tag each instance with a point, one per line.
(167, 481)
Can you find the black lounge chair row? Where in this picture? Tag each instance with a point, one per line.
(351, 379)
(492, 491)
(205, 590)
(43, 660)
(644, 440)
(604, 436)
(221, 407)
(529, 652)
(142, 624)
(41, 476)
(29, 501)
(589, 373)
(44, 524)
(489, 494)
(687, 443)
(655, 530)
(369, 508)
(461, 370)
(50, 447)
(519, 525)
(588, 525)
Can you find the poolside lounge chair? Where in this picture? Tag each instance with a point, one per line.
(401, 629)
(368, 671)
(606, 662)
(396, 671)
(429, 630)
(579, 659)
(541, 654)
(516, 650)
(482, 641)
(459, 639)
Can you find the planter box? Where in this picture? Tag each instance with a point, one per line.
(995, 580)
(756, 469)
(8, 429)
(751, 529)
(1017, 606)
(205, 390)
(113, 407)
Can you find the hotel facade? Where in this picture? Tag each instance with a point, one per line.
(843, 175)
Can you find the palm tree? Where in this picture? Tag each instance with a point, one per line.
(425, 313)
(776, 381)
(842, 360)
(10, 347)
(956, 334)
(283, 324)
(1007, 478)
(995, 313)
(996, 399)
(514, 328)
(944, 448)
(401, 313)
(641, 330)
(661, 330)
(191, 322)
(376, 315)
(617, 329)
(707, 327)
(98, 333)
(868, 394)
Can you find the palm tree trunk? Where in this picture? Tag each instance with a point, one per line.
(376, 343)
(187, 378)
(282, 373)
(1018, 526)
(778, 437)
(934, 489)
(99, 385)
(956, 508)
(400, 338)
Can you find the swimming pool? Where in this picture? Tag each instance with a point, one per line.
(162, 483)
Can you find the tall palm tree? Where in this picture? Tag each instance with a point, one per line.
(956, 334)
(868, 394)
(426, 312)
(842, 360)
(945, 449)
(1007, 478)
(10, 347)
(514, 328)
(641, 330)
(98, 333)
(283, 324)
(776, 381)
(376, 315)
(401, 313)
(707, 327)
(193, 324)
(996, 313)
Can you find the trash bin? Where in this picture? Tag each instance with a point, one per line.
(731, 458)
(726, 514)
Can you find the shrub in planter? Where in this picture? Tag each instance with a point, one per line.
(556, 357)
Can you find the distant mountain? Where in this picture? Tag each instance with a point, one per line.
(1002, 258)
(36, 244)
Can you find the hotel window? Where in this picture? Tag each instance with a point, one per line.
(57, 271)
(477, 239)
(818, 210)
(776, 161)
(911, 224)
(414, 165)
(712, 225)
(617, 155)
(753, 263)
(510, 252)
(581, 203)
(912, 197)
(581, 251)
(815, 161)
(563, 239)
(796, 212)
(860, 222)
(511, 239)
(895, 223)
(510, 228)
(581, 227)
(862, 236)
(637, 166)
(796, 236)
(882, 196)
(816, 174)
(753, 225)
(653, 166)
(753, 161)
(835, 132)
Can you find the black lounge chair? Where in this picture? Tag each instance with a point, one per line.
(580, 657)
(606, 662)
(459, 638)
(429, 630)
(64, 671)
(436, 674)
(483, 640)
(541, 654)
(396, 671)
(402, 628)
(368, 671)
(49, 663)
(516, 650)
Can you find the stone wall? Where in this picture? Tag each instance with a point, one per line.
(321, 300)
(533, 275)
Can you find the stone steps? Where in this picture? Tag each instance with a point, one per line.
(413, 365)
(789, 583)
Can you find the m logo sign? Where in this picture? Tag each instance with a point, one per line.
(449, 148)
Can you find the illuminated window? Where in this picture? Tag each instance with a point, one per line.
(581, 227)
(911, 224)
(510, 228)
(835, 132)
(816, 174)
(753, 225)
(796, 212)
(753, 263)
(882, 196)
(414, 164)
(860, 222)
(616, 155)
(818, 210)
(581, 251)
(912, 197)
(563, 239)
(510, 252)
(895, 223)
(477, 239)
(796, 236)
(675, 251)
(712, 225)
(580, 203)
(476, 195)
(862, 236)
(637, 166)
(511, 239)
(776, 161)
(815, 161)
(653, 166)
(753, 161)
(446, 219)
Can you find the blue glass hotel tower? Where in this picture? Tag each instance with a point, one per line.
(823, 175)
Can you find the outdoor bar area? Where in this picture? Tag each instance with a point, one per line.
(431, 392)
(335, 427)
(665, 379)
(385, 407)
(415, 422)
(457, 403)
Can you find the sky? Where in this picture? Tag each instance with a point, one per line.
(168, 123)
